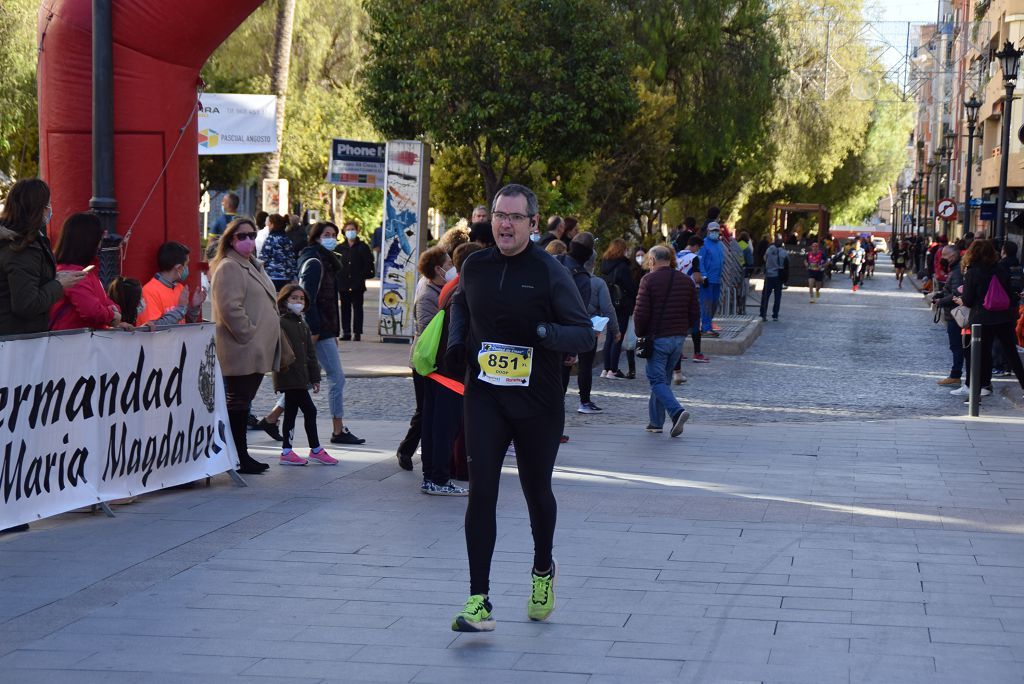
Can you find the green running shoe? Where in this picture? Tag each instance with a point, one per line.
(542, 598)
(475, 617)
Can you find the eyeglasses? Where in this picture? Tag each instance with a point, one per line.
(501, 217)
(242, 237)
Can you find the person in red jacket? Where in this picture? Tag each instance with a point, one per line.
(86, 305)
(666, 307)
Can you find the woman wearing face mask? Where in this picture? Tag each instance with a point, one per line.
(356, 267)
(87, 305)
(29, 281)
(248, 332)
(436, 269)
(319, 275)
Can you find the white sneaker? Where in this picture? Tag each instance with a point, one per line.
(985, 392)
(678, 378)
(962, 390)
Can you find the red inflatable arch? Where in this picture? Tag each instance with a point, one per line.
(159, 48)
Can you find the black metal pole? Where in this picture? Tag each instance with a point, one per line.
(1004, 161)
(967, 178)
(103, 203)
(949, 185)
(927, 201)
(921, 204)
(974, 396)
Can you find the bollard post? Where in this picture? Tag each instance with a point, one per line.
(974, 398)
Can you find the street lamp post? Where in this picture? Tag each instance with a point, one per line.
(103, 202)
(971, 106)
(928, 197)
(1009, 60)
(922, 201)
(903, 211)
(950, 138)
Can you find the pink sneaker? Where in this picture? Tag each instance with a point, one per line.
(322, 457)
(291, 458)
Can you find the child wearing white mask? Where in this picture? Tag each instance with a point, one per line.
(295, 379)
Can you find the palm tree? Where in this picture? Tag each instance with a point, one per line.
(279, 78)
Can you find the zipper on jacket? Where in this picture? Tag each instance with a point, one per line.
(501, 281)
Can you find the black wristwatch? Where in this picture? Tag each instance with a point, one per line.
(542, 331)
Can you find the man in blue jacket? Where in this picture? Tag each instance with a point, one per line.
(712, 261)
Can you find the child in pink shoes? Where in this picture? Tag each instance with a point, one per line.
(294, 379)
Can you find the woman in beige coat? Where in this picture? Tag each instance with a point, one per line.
(248, 333)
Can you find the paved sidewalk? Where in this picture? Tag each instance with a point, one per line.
(779, 547)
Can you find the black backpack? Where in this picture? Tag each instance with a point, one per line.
(614, 289)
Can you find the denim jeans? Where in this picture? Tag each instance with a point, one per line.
(709, 297)
(659, 372)
(330, 364)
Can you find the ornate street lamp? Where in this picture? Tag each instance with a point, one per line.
(971, 107)
(1009, 60)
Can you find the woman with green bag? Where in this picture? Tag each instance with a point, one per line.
(438, 403)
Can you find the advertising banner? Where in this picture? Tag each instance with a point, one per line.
(93, 416)
(237, 124)
(356, 164)
(406, 193)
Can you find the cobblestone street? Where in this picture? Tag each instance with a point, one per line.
(867, 355)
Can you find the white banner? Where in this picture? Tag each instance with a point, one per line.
(237, 124)
(96, 416)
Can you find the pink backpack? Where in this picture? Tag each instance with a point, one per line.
(996, 298)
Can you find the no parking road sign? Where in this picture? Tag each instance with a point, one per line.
(945, 209)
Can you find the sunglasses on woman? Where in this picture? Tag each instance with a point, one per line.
(242, 237)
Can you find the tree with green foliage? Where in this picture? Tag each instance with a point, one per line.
(19, 121)
(720, 60)
(321, 103)
(514, 81)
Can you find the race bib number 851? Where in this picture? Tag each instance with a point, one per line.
(505, 365)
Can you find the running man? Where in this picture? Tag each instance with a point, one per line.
(515, 317)
(816, 261)
(856, 256)
(869, 259)
(900, 258)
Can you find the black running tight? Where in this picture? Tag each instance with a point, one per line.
(488, 431)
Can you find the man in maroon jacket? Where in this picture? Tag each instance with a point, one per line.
(666, 307)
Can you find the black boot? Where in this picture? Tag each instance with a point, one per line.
(247, 464)
(631, 361)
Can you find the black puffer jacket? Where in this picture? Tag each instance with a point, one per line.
(28, 285)
(318, 275)
(976, 283)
